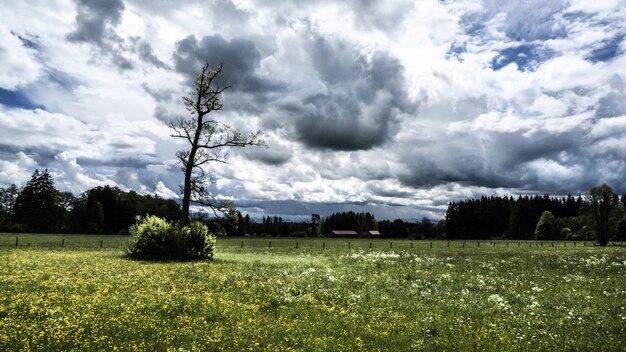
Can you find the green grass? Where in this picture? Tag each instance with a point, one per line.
(286, 298)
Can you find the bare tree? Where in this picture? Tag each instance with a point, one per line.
(208, 140)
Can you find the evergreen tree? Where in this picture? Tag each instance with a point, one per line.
(36, 207)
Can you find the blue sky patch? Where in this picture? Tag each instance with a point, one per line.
(17, 99)
(32, 44)
(456, 51)
(608, 50)
(526, 56)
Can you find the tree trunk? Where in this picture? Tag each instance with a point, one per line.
(187, 185)
(186, 198)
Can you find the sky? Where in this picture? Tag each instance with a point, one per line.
(393, 107)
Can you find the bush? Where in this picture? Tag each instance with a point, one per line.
(152, 237)
(586, 233)
(567, 234)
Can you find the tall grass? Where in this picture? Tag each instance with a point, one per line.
(344, 299)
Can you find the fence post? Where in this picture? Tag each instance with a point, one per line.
(100, 243)
(17, 240)
(411, 244)
(448, 244)
(478, 243)
(62, 242)
(241, 244)
(390, 244)
(324, 245)
(296, 244)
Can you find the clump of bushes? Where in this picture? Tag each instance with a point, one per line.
(154, 238)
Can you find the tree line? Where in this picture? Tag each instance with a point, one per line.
(236, 224)
(599, 215)
(39, 207)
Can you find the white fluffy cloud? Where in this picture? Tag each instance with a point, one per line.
(16, 171)
(19, 63)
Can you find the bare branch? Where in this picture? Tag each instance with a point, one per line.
(207, 139)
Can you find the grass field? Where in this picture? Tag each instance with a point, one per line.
(337, 298)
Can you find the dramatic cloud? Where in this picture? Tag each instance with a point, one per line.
(241, 57)
(392, 107)
(95, 20)
(362, 99)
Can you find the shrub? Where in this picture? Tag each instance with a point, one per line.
(586, 233)
(152, 237)
(567, 234)
(199, 243)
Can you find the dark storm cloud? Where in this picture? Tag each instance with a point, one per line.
(95, 23)
(336, 122)
(241, 60)
(42, 156)
(512, 149)
(364, 97)
(146, 53)
(138, 162)
(542, 161)
(160, 95)
(121, 62)
(274, 156)
(389, 193)
(492, 160)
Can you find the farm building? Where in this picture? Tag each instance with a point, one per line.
(370, 234)
(343, 234)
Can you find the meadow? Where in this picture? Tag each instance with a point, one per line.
(324, 295)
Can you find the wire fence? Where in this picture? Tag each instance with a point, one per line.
(106, 242)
